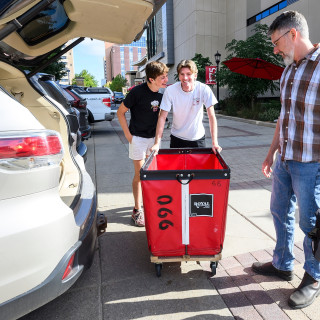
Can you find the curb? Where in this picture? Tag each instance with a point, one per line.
(256, 122)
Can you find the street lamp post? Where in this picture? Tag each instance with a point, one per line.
(68, 71)
(217, 56)
(112, 51)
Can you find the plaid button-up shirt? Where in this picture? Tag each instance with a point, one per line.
(300, 111)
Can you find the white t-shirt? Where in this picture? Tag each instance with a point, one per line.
(187, 109)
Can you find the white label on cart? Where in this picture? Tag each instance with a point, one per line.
(185, 211)
(201, 205)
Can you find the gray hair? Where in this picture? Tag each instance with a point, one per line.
(288, 20)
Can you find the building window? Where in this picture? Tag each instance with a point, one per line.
(271, 10)
(265, 14)
(274, 9)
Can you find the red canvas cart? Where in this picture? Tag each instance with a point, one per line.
(185, 196)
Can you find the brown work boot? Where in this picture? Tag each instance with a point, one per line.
(268, 269)
(305, 294)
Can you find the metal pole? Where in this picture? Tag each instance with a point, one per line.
(218, 107)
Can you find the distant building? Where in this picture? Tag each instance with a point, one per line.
(180, 29)
(67, 59)
(119, 58)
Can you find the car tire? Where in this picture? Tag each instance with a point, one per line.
(90, 117)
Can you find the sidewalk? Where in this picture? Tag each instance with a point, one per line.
(122, 283)
(249, 236)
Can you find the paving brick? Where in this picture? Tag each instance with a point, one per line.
(270, 251)
(280, 291)
(246, 259)
(299, 254)
(234, 298)
(255, 293)
(271, 312)
(262, 255)
(229, 262)
(299, 244)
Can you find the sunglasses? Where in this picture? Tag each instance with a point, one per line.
(275, 43)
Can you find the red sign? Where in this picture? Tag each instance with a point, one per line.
(211, 74)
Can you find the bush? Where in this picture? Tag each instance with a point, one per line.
(265, 110)
(269, 111)
(269, 115)
(229, 107)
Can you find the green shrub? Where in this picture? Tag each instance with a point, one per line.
(269, 115)
(229, 107)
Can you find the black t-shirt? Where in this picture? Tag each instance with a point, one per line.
(144, 107)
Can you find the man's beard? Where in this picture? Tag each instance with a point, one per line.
(288, 58)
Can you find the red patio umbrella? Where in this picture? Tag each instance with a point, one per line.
(254, 68)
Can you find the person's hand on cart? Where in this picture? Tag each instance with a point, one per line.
(155, 148)
(216, 147)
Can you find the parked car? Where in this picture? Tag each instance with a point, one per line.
(98, 102)
(46, 84)
(80, 104)
(48, 204)
(118, 98)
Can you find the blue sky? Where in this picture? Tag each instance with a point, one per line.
(89, 55)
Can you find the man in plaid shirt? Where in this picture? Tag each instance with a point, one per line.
(296, 175)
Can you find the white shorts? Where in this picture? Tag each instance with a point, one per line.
(139, 147)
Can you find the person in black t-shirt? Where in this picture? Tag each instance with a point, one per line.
(143, 101)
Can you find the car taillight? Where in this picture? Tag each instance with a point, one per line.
(69, 267)
(107, 102)
(21, 151)
(75, 103)
(82, 104)
(112, 98)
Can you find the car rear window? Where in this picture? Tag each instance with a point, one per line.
(68, 95)
(79, 90)
(47, 23)
(99, 90)
(76, 94)
(55, 92)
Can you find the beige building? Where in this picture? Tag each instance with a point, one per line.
(67, 59)
(193, 26)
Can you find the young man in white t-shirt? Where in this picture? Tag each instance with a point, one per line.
(186, 98)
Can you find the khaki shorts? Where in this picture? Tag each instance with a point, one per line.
(139, 147)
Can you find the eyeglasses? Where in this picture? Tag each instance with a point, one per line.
(274, 43)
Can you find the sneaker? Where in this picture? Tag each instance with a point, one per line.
(138, 217)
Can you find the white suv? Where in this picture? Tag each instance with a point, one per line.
(48, 208)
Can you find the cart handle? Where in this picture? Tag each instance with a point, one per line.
(180, 177)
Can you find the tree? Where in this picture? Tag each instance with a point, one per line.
(117, 83)
(57, 68)
(242, 88)
(89, 79)
(201, 63)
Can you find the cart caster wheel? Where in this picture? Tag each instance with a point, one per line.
(158, 267)
(213, 266)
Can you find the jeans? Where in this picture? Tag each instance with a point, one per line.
(295, 182)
